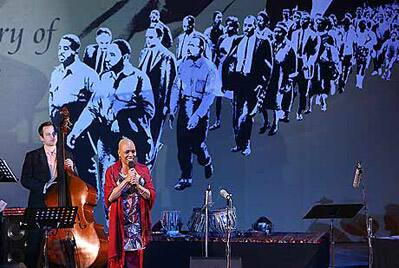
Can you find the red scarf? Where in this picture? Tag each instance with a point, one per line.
(116, 254)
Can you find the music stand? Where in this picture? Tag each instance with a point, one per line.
(6, 174)
(333, 211)
(47, 219)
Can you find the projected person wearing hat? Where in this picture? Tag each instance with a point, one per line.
(193, 92)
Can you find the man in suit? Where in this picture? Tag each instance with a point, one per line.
(306, 43)
(263, 32)
(95, 54)
(286, 14)
(167, 39)
(39, 172)
(184, 39)
(160, 66)
(246, 70)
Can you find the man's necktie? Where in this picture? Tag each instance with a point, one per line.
(149, 60)
(301, 34)
(99, 66)
(181, 47)
(245, 55)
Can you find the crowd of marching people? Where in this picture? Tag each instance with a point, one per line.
(281, 72)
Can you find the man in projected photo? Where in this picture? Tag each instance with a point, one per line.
(193, 92)
(95, 55)
(381, 29)
(326, 66)
(71, 84)
(247, 71)
(286, 14)
(346, 50)
(278, 97)
(263, 32)
(155, 22)
(222, 49)
(263, 26)
(296, 23)
(160, 66)
(365, 42)
(108, 106)
(133, 103)
(306, 44)
(215, 31)
(184, 39)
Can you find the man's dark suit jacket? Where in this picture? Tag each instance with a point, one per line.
(261, 69)
(35, 174)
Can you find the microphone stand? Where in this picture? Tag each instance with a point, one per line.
(229, 229)
(369, 225)
(206, 206)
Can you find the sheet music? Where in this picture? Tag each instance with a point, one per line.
(3, 205)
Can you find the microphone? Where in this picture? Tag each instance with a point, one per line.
(132, 164)
(225, 194)
(358, 175)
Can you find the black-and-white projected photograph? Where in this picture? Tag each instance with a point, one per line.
(221, 127)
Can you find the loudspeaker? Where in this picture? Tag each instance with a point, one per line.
(13, 240)
(198, 262)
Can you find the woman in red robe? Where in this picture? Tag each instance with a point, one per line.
(129, 196)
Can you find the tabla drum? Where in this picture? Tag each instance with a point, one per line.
(220, 219)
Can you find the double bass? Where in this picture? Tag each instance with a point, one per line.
(86, 244)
